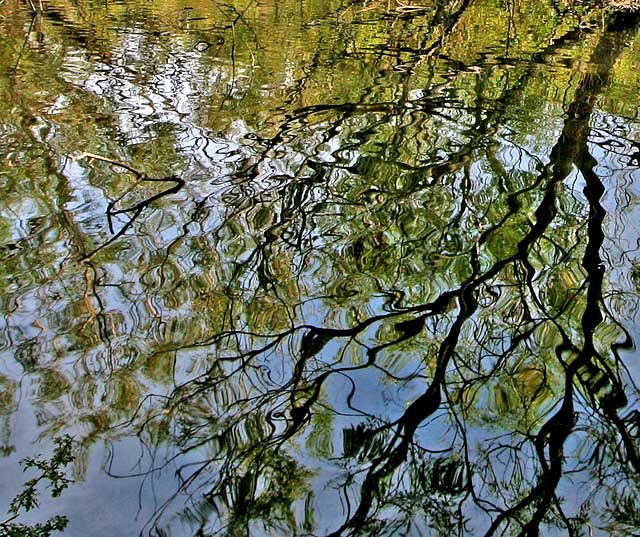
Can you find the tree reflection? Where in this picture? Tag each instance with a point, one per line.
(523, 387)
(384, 315)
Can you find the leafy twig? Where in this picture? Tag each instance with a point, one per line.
(51, 470)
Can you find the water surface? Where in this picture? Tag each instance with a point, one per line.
(323, 267)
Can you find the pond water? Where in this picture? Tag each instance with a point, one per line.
(322, 267)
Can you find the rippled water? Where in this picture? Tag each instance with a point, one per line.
(322, 267)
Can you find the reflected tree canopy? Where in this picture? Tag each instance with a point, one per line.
(331, 268)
